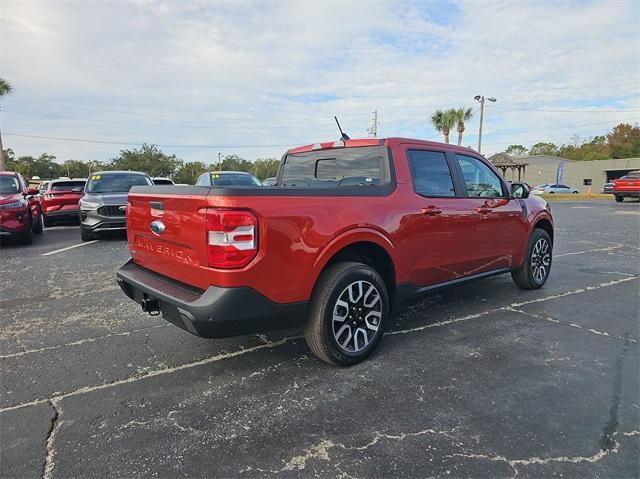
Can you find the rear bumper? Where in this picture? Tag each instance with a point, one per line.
(627, 194)
(212, 313)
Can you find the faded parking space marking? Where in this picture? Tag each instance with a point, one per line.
(69, 247)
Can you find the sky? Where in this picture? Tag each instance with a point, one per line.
(255, 78)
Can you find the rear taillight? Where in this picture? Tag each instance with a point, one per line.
(232, 238)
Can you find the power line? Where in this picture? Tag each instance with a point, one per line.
(173, 117)
(128, 143)
(560, 111)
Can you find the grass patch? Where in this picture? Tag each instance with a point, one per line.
(578, 197)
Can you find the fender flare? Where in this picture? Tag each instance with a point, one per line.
(344, 239)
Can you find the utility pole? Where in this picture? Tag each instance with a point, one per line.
(373, 130)
(480, 98)
(67, 165)
(219, 161)
(2, 167)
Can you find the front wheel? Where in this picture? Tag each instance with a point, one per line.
(537, 261)
(347, 315)
(619, 198)
(38, 226)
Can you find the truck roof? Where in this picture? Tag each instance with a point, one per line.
(358, 142)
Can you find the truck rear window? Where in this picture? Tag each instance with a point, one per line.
(66, 185)
(363, 166)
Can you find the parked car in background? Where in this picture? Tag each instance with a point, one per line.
(59, 200)
(627, 187)
(353, 228)
(554, 189)
(607, 188)
(104, 202)
(269, 181)
(20, 211)
(227, 178)
(162, 181)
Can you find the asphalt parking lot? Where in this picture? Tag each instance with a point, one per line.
(483, 380)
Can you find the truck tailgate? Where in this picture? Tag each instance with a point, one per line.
(166, 231)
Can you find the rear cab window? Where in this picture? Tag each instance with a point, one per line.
(360, 167)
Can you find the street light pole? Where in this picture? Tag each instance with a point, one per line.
(480, 98)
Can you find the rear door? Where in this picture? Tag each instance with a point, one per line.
(442, 225)
(499, 221)
(166, 231)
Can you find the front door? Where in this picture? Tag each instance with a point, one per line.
(499, 226)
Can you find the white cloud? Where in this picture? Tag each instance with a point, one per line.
(278, 72)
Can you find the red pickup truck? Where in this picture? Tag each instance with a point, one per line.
(627, 186)
(351, 228)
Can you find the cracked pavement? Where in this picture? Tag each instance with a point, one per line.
(482, 380)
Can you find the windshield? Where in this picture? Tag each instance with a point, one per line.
(66, 185)
(362, 166)
(115, 182)
(9, 185)
(233, 179)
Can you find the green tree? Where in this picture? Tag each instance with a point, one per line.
(236, 163)
(265, 168)
(149, 159)
(5, 89)
(517, 150)
(44, 166)
(460, 115)
(624, 141)
(188, 172)
(543, 148)
(443, 121)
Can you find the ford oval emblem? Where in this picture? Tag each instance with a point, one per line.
(157, 227)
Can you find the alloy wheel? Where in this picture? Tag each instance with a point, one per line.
(356, 316)
(541, 260)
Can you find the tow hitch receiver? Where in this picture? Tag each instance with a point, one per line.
(150, 306)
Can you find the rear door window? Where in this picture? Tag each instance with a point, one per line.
(480, 180)
(430, 173)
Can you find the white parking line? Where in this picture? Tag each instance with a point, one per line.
(69, 247)
(53, 228)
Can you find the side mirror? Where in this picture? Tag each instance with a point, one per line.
(79, 189)
(32, 191)
(519, 190)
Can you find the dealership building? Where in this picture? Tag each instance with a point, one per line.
(581, 175)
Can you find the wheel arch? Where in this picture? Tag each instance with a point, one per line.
(546, 225)
(362, 245)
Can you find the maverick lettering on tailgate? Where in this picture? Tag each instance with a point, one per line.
(173, 252)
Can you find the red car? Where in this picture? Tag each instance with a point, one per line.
(20, 213)
(350, 229)
(60, 200)
(627, 186)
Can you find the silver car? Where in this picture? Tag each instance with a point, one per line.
(547, 189)
(104, 202)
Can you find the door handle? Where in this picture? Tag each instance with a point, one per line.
(484, 210)
(430, 210)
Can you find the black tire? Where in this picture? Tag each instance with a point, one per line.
(27, 236)
(619, 198)
(527, 276)
(48, 222)
(38, 226)
(86, 235)
(575, 192)
(320, 331)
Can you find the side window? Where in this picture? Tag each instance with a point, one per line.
(480, 180)
(203, 180)
(430, 173)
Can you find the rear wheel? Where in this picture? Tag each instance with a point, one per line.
(86, 235)
(348, 312)
(537, 261)
(619, 198)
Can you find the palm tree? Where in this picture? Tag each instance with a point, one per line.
(461, 115)
(443, 122)
(5, 88)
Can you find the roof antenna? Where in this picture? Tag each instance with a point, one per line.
(343, 136)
